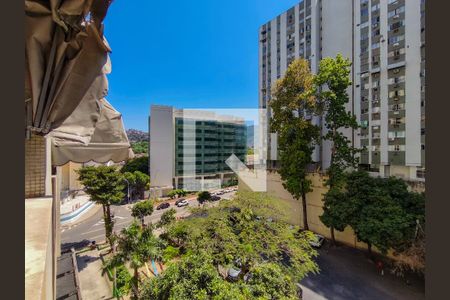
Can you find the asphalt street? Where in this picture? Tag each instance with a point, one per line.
(347, 274)
(92, 229)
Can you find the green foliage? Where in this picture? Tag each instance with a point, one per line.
(332, 82)
(234, 231)
(231, 182)
(136, 164)
(239, 230)
(382, 211)
(268, 281)
(170, 253)
(136, 246)
(178, 192)
(293, 97)
(105, 186)
(250, 151)
(140, 147)
(203, 196)
(123, 280)
(194, 277)
(139, 182)
(142, 209)
(167, 218)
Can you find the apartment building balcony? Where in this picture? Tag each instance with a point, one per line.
(396, 141)
(396, 127)
(396, 158)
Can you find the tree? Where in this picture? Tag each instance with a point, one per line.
(105, 186)
(136, 246)
(167, 218)
(293, 99)
(140, 147)
(268, 281)
(242, 230)
(142, 209)
(136, 164)
(331, 83)
(178, 192)
(378, 218)
(203, 196)
(250, 233)
(193, 277)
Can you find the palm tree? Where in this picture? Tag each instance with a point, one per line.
(136, 246)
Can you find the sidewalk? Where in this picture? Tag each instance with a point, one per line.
(93, 284)
(74, 203)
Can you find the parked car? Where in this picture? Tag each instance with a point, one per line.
(163, 206)
(179, 200)
(182, 203)
(215, 198)
(318, 242)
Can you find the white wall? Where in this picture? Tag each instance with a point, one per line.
(162, 145)
(412, 84)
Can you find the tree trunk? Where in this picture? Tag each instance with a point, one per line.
(305, 214)
(333, 240)
(136, 284)
(142, 222)
(369, 249)
(108, 225)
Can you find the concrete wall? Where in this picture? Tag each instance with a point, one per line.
(69, 177)
(161, 146)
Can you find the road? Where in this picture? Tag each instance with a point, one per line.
(346, 274)
(93, 229)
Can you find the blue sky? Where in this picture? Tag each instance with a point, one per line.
(189, 54)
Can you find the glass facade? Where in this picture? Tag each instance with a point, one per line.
(202, 146)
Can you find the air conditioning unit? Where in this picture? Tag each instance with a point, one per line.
(396, 44)
(396, 16)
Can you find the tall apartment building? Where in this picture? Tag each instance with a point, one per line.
(309, 30)
(189, 147)
(384, 39)
(389, 88)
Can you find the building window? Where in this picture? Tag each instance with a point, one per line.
(396, 39)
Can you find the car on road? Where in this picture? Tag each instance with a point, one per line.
(318, 241)
(215, 198)
(182, 203)
(163, 206)
(179, 200)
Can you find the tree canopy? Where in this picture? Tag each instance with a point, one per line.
(382, 211)
(249, 233)
(138, 182)
(332, 82)
(142, 209)
(140, 147)
(105, 186)
(136, 164)
(292, 104)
